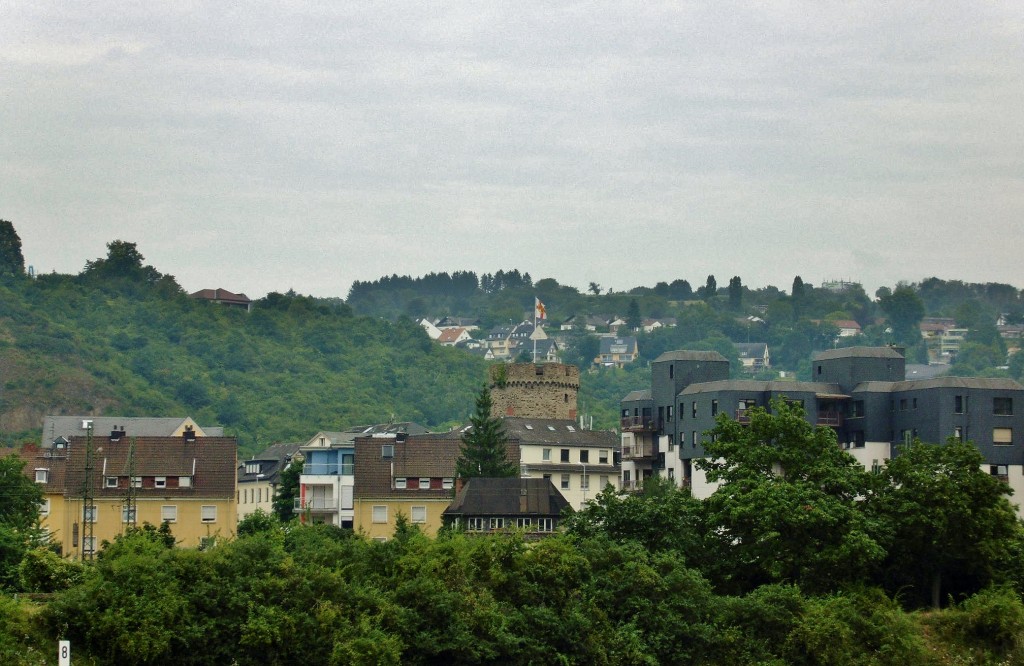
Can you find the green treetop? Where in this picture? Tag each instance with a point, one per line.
(11, 260)
(484, 444)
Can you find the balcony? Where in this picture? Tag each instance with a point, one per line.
(315, 504)
(830, 419)
(638, 423)
(641, 451)
(327, 469)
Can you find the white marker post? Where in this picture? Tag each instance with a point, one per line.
(63, 653)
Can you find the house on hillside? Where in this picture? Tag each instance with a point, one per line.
(847, 327)
(753, 356)
(617, 351)
(450, 337)
(433, 332)
(533, 506)
(223, 297)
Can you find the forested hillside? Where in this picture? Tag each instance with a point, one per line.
(121, 338)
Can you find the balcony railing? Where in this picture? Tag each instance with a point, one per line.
(316, 504)
(327, 469)
(637, 452)
(638, 423)
(833, 419)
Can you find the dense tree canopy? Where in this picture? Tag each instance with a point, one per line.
(12, 262)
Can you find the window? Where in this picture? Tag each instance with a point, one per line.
(347, 464)
(380, 513)
(89, 544)
(545, 525)
(184, 481)
(387, 451)
(208, 513)
(425, 483)
(44, 507)
(523, 523)
(419, 514)
(604, 481)
(160, 482)
(475, 524)
(546, 455)
(584, 455)
(714, 408)
(694, 409)
(128, 515)
(958, 433)
(875, 467)
(169, 513)
(497, 523)
(89, 514)
(1000, 471)
(136, 482)
(602, 457)
(447, 483)
(207, 542)
(958, 404)
(671, 371)
(1002, 406)
(671, 443)
(1002, 436)
(668, 414)
(625, 477)
(110, 482)
(585, 482)
(42, 475)
(903, 404)
(857, 439)
(693, 442)
(682, 411)
(565, 455)
(400, 482)
(857, 409)
(565, 482)
(252, 468)
(671, 473)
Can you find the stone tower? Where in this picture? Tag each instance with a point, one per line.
(541, 391)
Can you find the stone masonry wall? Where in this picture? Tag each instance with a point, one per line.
(542, 391)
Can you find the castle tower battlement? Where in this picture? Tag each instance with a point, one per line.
(541, 391)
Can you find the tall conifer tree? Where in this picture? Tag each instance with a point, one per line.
(484, 445)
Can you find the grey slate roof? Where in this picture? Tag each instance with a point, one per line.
(751, 349)
(685, 355)
(990, 383)
(858, 352)
(134, 426)
(507, 497)
(755, 386)
(634, 396)
(273, 461)
(557, 431)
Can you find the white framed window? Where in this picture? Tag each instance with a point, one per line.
(1002, 436)
(602, 457)
(400, 482)
(208, 513)
(380, 513)
(523, 523)
(89, 514)
(89, 544)
(207, 542)
(252, 468)
(136, 482)
(425, 483)
(128, 516)
(110, 482)
(419, 514)
(169, 513)
(565, 482)
(545, 455)
(447, 483)
(42, 475)
(585, 482)
(545, 525)
(44, 507)
(497, 523)
(584, 455)
(475, 524)
(160, 482)
(184, 481)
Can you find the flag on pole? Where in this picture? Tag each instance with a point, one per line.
(539, 311)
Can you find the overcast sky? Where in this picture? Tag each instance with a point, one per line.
(265, 146)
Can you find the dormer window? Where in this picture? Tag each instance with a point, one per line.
(42, 476)
(252, 468)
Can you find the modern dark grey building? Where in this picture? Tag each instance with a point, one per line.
(861, 392)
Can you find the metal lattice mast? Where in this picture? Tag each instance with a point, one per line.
(131, 497)
(88, 501)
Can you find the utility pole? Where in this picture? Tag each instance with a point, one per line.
(88, 501)
(131, 499)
